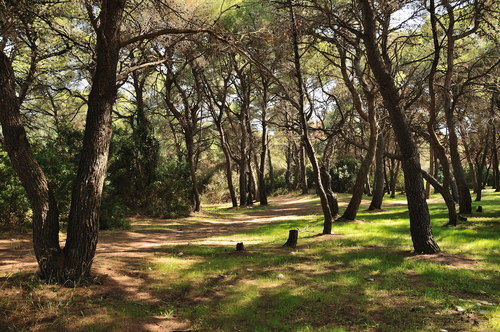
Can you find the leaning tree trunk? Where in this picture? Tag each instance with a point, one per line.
(45, 213)
(83, 221)
(358, 189)
(327, 225)
(378, 186)
(436, 145)
(420, 225)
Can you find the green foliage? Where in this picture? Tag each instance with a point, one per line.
(280, 186)
(169, 195)
(137, 179)
(14, 205)
(59, 158)
(344, 174)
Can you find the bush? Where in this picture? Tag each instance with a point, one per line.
(344, 174)
(169, 196)
(14, 204)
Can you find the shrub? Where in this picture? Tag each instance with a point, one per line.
(344, 174)
(14, 204)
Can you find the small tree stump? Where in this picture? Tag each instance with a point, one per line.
(240, 246)
(479, 209)
(292, 238)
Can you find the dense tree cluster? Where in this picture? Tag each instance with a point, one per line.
(236, 101)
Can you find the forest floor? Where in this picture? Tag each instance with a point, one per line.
(184, 274)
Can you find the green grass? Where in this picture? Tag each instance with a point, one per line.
(363, 278)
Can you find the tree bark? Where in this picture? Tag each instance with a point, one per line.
(420, 226)
(292, 239)
(358, 189)
(431, 171)
(480, 164)
(378, 186)
(464, 196)
(45, 213)
(439, 150)
(494, 148)
(271, 169)
(327, 225)
(192, 170)
(83, 221)
(303, 174)
(333, 203)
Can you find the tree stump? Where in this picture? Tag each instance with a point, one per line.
(240, 246)
(479, 209)
(292, 238)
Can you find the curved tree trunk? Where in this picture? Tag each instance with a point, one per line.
(378, 186)
(420, 226)
(333, 203)
(45, 213)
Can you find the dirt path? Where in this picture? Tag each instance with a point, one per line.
(16, 252)
(120, 253)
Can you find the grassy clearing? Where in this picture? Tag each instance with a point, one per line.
(363, 278)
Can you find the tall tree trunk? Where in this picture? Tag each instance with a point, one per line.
(45, 213)
(264, 145)
(228, 163)
(358, 189)
(262, 167)
(494, 147)
(192, 171)
(250, 190)
(420, 225)
(472, 169)
(386, 179)
(393, 176)
(271, 169)
(243, 181)
(378, 186)
(252, 187)
(438, 148)
(288, 158)
(464, 196)
(327, 225)
(480, 168)
(83, 221)
(303, 174)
